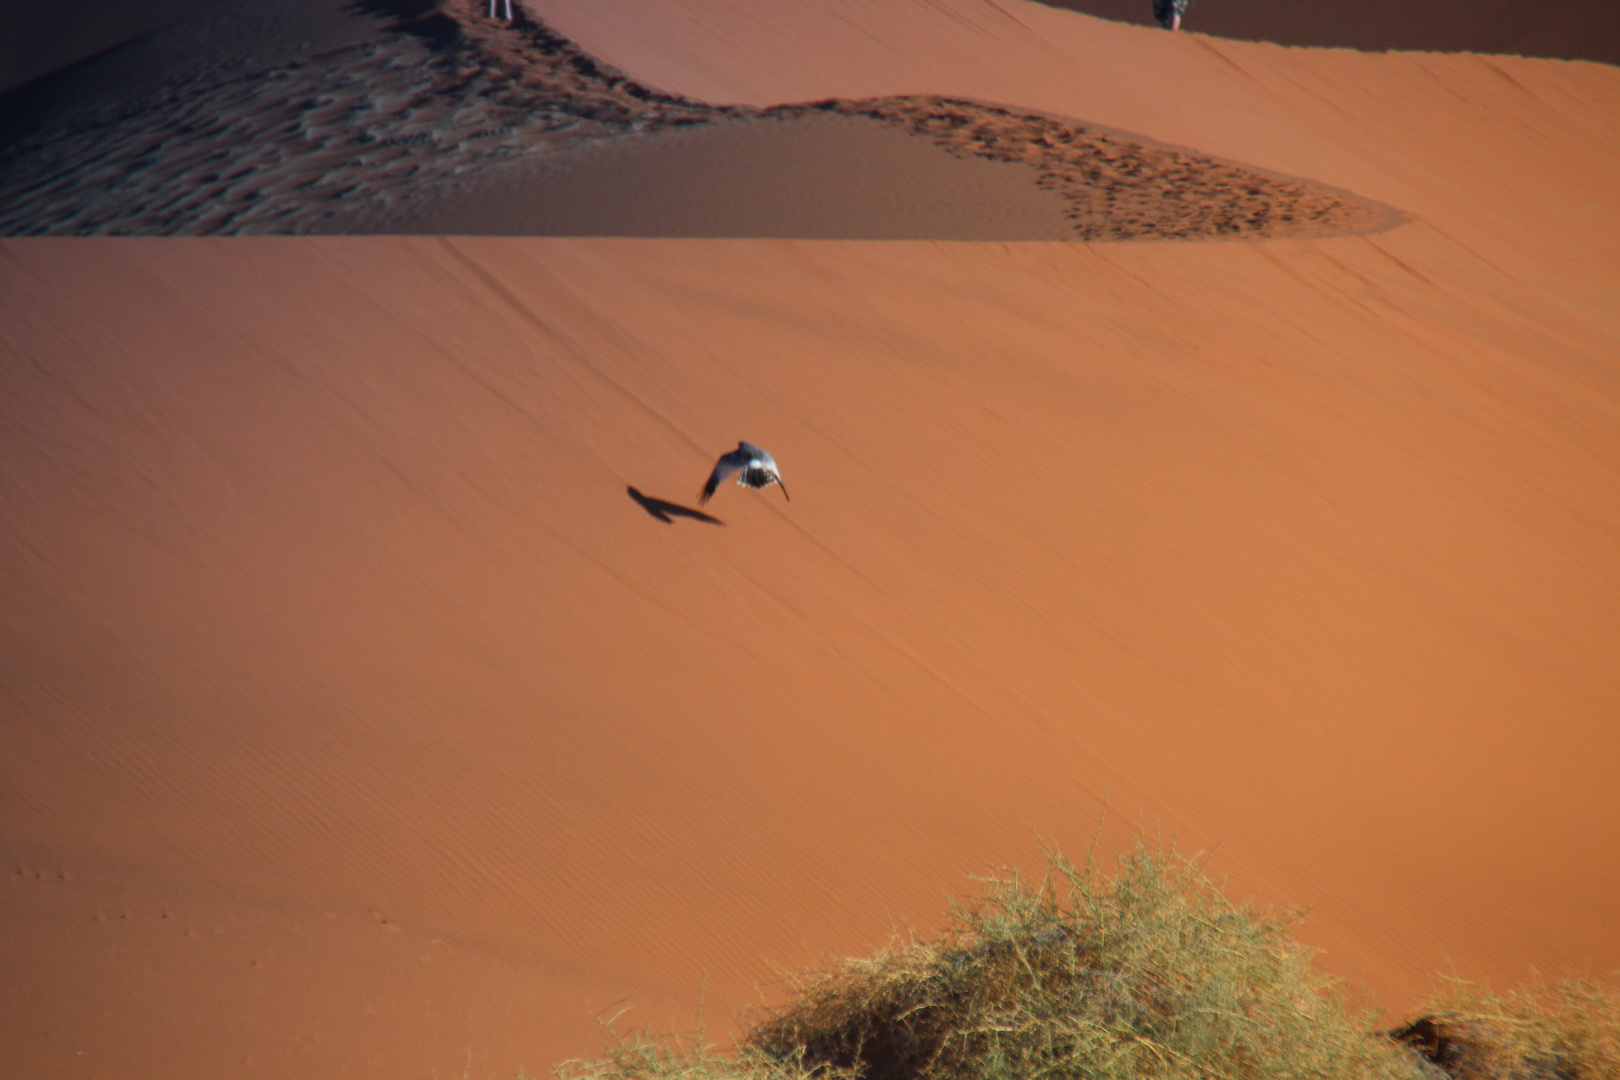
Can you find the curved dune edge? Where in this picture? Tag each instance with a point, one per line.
(318, 145)
(1119, 187)
(1574, 30)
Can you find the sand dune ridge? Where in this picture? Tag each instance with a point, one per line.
(324, 143)
(1117, 188)
(282, 151)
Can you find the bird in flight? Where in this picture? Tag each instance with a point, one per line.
(753, 468)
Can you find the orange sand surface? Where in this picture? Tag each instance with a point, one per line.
(355, 720)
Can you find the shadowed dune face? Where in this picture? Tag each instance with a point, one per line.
(289, 147)
(1115, 188)
(207, 40)
(1426, 134)
(873, 170)
(1577, 30)
(38, 38)
(453, 124)
(808, 177)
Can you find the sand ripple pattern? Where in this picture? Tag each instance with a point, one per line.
(283, 151)
(1117, 189)
(312, 146)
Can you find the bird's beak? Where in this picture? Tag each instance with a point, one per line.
(783, 486)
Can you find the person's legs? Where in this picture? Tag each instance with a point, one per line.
(1168, 12)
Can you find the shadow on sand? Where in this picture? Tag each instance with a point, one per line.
(667, 512)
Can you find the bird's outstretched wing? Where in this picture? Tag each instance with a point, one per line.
(728, 466)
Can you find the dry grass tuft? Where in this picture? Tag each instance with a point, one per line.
(1151, 974)
(1566, 1031)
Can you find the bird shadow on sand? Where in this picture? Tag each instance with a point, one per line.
(667, 512)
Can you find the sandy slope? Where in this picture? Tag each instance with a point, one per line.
(811, 177)
(1571, 29)
(1492, 150)
(206, 39)
(359, 722)
(451, 122)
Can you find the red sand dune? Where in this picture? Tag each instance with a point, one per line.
(358, 721)
(1571, 29)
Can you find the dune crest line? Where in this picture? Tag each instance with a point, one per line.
(1118, 188)
(319, 144)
